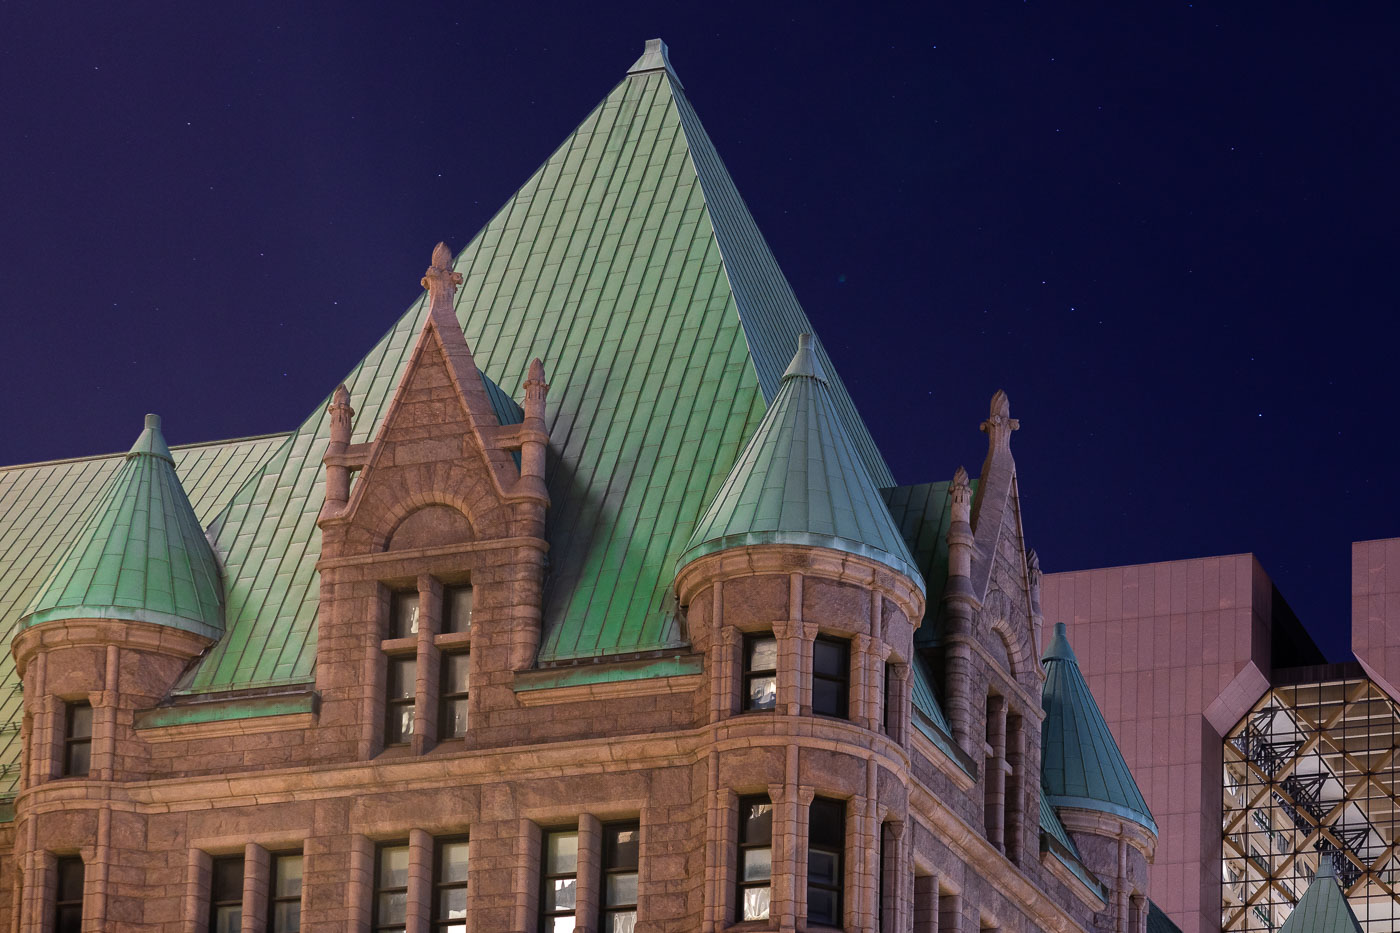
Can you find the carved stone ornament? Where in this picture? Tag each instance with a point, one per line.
(1000, 424)
(441, 280)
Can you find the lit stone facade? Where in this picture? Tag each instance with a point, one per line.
(630, 766)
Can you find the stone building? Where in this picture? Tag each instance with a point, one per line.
(654, 642)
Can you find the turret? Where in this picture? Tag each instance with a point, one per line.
(1086, 780)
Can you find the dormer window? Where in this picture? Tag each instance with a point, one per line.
(760, 672)
(456, 609)
(403, 615)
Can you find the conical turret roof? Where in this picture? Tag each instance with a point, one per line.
(141, 554)
(800, 481)
(1322, 908)
(1081, 765)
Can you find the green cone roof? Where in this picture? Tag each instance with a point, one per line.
(141, 554)
(1323, 908)
(1081, 765)
(800, 481)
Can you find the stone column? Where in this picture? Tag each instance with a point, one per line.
(197, 880)
(783, 908)
(359, 888)
(425, 689)
(790, 667)
(1016, 787)
(724, 680)
(589, 873)
(806, 634)
(805, 796)
(861, 709)
(104, 719)
(925, 904)
(257, 863)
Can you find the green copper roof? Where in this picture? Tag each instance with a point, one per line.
(1065, 850)
(1158, 921)
(922, 513)
(629, 264)
(800, 481)
(42, 512)
(1322, 908)
(141, 555)
(1081, 765)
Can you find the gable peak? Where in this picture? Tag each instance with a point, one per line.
(441, 280)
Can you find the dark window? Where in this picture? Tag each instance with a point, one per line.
(403, 615)
(284, 900)
(398, 709)
(450, 886)
(826, 843)
(457, 609)
(831, 675)
(760, 672)
(68, 900)
(454, 683)
(619, 898)
(391, 887)
(755, 858)
(559, 882)
(226, 895)
(77, 740)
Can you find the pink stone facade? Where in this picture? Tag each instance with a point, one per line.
(1375, 611)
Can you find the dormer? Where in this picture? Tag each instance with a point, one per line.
(438, 517)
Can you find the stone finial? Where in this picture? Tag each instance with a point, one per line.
(441, 280)
(961, 491)
(337, 473)
(535, 390)
(1033, 566)
(341, 415)
(536, 438)
(1000, 424)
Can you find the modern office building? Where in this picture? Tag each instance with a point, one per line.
(587, 602)
(1261, 762)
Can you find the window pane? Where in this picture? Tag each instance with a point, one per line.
(288, 876)
(621, 890)
(560, 894)
(763, 654)
(227, 881)
(756, 903)
(69, 919)
(562, 854)
(624, 922)
(821, 907)
(621, 848)
(827, 827)
(70, 879)
(453, 865)
(457, 609)
(393, 867)
(79, 760)
(286, 918)
(758, 864)
(403, 620)
(80, 721)
(400, 726)
(763, 693)
(829, 657)
(563, 924)
(456, 673)
(827, 699)
(403, 676)
(452, 904)
(228, 919)
(757, 817)
(393, 907)
(454, 724)
(822, 867)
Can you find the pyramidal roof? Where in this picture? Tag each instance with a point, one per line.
(1323, 908)
(630, 265)
(141, 554)
(800, 481)
(1081, 765)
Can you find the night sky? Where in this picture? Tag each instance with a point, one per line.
(1168, 230)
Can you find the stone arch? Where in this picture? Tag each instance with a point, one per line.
(1016, 648)
(389, 503)
(430, 525)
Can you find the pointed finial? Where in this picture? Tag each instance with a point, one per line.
(1000, 424)
(151, 441)
(536, 373)
(961, 491)
(1325, 868)
(1033, 566)
(805, 362)
(440, 280)
(153, 421)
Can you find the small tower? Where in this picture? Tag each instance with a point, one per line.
(1323, 908)
(1085, 779)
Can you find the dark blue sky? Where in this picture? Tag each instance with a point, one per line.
(1167, 230)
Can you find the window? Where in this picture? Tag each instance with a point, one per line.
(226, 895)
(755, 857)
(455, 680)
(403, 684)
(77, 739)
(68, 899)
(559, 882)
(403, 615)
(450, 886)
(831, 674)
(619, 900)
(284, 898)
(826, 842)
(760, 672)
(391, 887)
(457, 609)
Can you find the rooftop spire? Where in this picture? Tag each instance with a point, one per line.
(140, 555)
(805, 362)
(441, 280)
(1323, 908)
(654, 58)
